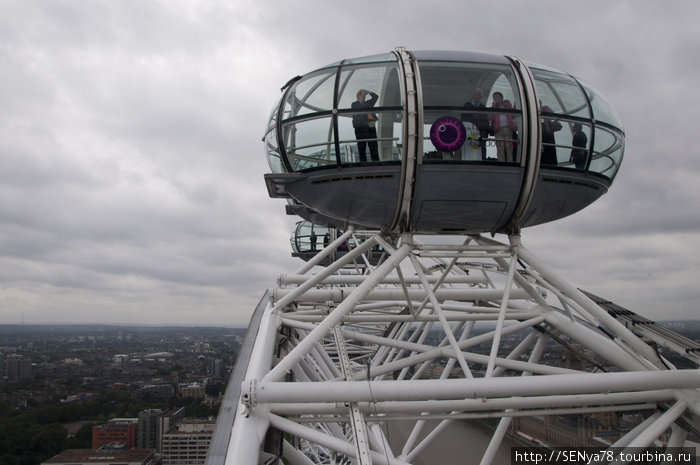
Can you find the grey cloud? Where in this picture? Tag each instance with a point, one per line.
(131, 182)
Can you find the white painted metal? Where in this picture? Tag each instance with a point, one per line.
(359, 432)
(413, 126)
(436, 334)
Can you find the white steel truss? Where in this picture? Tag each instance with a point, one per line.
(370, 363)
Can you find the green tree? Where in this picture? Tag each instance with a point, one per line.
(49, 440)
(84, 433)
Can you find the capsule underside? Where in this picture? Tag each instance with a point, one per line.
(414, 154)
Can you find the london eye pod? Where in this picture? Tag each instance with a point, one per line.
(435, 142)
(308, 239)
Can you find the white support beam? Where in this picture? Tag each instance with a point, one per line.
(443, 321)
(594, 310)
(282, 298)
(495, 345)
(659, 426)
(444, 389)
(334, 443)
(337, 295)
(394, 317)
(500, 404)
(425, 353)
(336, 316)
(356, 280)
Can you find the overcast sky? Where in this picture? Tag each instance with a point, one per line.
(131, 161)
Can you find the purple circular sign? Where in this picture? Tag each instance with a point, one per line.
(448, 134)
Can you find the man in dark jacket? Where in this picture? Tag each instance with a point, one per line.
(363, 123)
(480, 120)
(578, 153)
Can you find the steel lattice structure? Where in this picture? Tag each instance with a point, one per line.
(395, 336)
(342, 354)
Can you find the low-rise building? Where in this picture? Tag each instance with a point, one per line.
(153, 423)
(116, 431)
(195, 391)
(119, 456)
(187, 443)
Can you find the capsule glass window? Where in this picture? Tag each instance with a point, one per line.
(602, 110)
(573, 143)
(555, 140)
(274, 158)
(472, 112)
(452, 84)
(607, 151)
(309, 143)
(381, 79)
(311, 94)
(383, 140)
(369, 116)
(560, 93)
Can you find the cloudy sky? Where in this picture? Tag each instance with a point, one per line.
(131, 161)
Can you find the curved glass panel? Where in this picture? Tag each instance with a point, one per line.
(272, 150)
(311, 94)
(484, 98)
(579, 149)
(565, 143)
(272, 120)
(382, 79)
(309, 237)
(369, 121)
(560, 93)
(602, 110)
(274, 158)
(309, 143)
(450, 84)
(607, 151)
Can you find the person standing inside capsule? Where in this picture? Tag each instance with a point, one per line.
(579, 142)
(549, 143)
(503, 128)
(364, 121)
(480, 120)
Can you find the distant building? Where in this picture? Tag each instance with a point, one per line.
(17, 367)
(148, 428)
(187, 442)
(119, 431)
(216, 367)
(119, 456)
(193, 390)
(161, 392)
(200, 347)
(167, 421)
(153, 423)
(214, 393)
